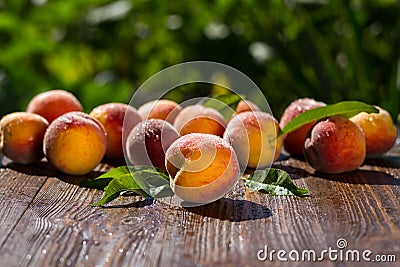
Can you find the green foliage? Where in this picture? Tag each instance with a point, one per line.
(102, 50)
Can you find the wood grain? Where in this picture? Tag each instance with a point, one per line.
(46, 220)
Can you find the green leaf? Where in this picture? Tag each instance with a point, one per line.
(103, 180)
(274, 181)
(346, 109)
(146, 181)
(225, 104)
(116, 187)
(154, 182)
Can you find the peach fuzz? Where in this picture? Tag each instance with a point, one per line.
(147, 142)
(160, 109)
(293, 142)
(202, 167)
(111, 116)
(253, 135)
(54, 103)
(246, 105)
(379, 130)
(21, 136)
(200, 119)
(75, 143)
(335, 145)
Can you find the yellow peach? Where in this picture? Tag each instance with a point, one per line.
(200, 119)
(379, 130)
(21, 135)
(253, 135)
(75, 143)
(202, 167)
(112, 116)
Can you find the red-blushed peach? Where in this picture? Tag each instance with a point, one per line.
(293, 142)
(52, 104)
(75, 143)
(147, 142)
(200, 119)
(160, 109)
(246, 105)
(112, 116)
(202, 167)
(335, 145)
(253, 135)
(21, 136)
(379, 130)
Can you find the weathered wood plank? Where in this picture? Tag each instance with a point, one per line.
(55, 225)
(18, 187)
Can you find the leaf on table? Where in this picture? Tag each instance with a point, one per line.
(274, 181)
(116, 187)
(344, 108)
(103, 180)
(146, 181)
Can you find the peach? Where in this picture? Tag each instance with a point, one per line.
(293, 142)
(335, 145)
(147, 142)
(379, 130)
(75, 143)
(53, 103)
(160, 109)
(112, 116)
(202, 167)
(21, 136)
(253, 135)
(200, 119)
(246, 105)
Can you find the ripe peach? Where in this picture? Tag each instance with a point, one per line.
(335, 145)
(75, 143)
(112, 115)
(200, 119)
(21, 136)
(53, 103)
(253, 135)
(202, 167)
(147, 142)
(379, 130)
(160, 109)
(246, 105)
(293, 142)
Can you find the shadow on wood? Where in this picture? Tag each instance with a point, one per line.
(384, 161)
(233, 210)
(40, 168)
(369, 177)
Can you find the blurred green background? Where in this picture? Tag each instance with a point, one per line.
(102, 50)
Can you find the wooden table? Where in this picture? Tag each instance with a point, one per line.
(46, 220)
